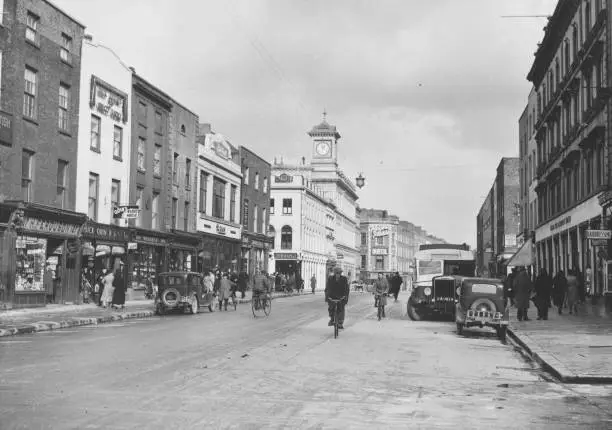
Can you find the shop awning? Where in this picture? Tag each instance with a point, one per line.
(523, 257)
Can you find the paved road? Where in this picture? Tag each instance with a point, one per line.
(228, 370)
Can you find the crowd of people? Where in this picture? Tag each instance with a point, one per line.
(562, 291)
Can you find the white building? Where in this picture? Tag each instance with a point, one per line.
(302, 224)
(329, 228)
(219, 184)
(103, 159)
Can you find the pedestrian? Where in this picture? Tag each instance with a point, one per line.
(107, 294)
(313, 283)
(396, 283)
(509, 286)
(48, 283)
(559, 290)
(573, 294)
(100, 285)
(543, 290)
(243, 279)
(336, 288)
(522, 287)
(119, 288)
(225, 288)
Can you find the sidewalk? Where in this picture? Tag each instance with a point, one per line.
(574, 348)
(53, 317)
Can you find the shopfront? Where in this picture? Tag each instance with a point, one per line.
(40, 255)
(220, 245)
(287, 262)
(255, 250)
(147, 256)
(183, 251)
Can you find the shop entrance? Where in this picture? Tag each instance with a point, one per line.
(288, 266)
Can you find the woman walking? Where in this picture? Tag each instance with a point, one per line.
(107, 294)
(119, 289)
(573, 294)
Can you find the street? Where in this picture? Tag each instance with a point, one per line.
(229, 370)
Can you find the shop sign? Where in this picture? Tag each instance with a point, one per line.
(152, 240)
(220, 229)
(598, 234)
(126, 212)
(599, 242)
(6, 128)
(509, 240)
(560, 223)
(340, 256)
(380, 251)
(46, 226)
(109, 233)
(108, 103)
(132, 246)
(285, 256)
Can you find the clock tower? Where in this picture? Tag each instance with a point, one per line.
(324, 143)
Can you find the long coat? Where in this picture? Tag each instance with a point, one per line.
(225, 287)
(522, 290)
(119, 292)
(572, 290)
(543, 288)
(559, 289)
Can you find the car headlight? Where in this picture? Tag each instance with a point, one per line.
(458, 290)
(427, 291)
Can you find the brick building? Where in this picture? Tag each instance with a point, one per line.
(40, 48)
(255, 214)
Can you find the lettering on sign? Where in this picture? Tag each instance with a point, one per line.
(108, 103)
(45, 226)
(151, 240)
(126, 212)
(6, 128)
(285, 256)
(284, 178)
(380, 251)
(220, 229)
(560, 223)
(106, 232)
(598, 234)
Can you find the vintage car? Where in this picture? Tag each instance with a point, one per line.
(437, 299)
(481, 303)
(182, 291)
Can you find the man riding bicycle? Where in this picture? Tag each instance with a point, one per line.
(337, 287)
(381, 287)
(261, 284)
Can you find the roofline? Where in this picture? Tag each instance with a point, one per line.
(250, 151)
(54, 6)
(165, 94)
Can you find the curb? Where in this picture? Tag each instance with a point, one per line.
(73, 322)
(553, 366)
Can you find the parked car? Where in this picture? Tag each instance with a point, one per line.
(481, 303)
(437, 299)
(182, 291)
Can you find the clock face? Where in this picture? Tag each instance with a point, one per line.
(323, 148)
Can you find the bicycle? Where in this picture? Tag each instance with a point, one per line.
(336, 323)
(381, 307)
(261, 303)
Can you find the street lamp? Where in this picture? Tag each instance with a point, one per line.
(360, 181)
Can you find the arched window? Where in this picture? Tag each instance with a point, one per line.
(272, 234)
(286, 237)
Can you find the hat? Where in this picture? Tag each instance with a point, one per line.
(337, 269)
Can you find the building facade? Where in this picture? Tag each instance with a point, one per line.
(485, 245)
(302, 224)
(379, 234)
(255, 211)
(40, 58)
(571, 124)
(219, 196)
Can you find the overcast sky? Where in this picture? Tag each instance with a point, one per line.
(426, 94)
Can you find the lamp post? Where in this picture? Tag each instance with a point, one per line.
(360, 181)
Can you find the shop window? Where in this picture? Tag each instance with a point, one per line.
(94, 181)
(286, 238)
(62, 173)
(271, 206)
(94, 143)
(118, 143)
(233, 192)
(115, 198)
(219, 201)
(31, 259)
(155, 211)
(287, 206)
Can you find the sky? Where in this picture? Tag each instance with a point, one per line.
(426, 94)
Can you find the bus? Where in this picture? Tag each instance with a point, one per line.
(442, 259)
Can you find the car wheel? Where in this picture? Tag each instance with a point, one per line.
(171, 297)
(459, 329)
(413, 313)
(195, 305)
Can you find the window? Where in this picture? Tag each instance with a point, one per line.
(271, 206)
(261, 228)
(94, 181)
(286, 237)
(245, 214)
(94, 143)
(272, 234)
(233, 192)
(256, 183)
(219, 201)
(566, 56)
(575, 42)
(587, 17)
(255, 219)
(157, 161)
(155, 211)
(158, 122)
(265, 185)
(363, 261)
(380, 262)
(66, 48)
(32, 22)
(141, 153)
(64, 93)
(187, 173)
(174, 212)
(246, 176)
(115, 198)
(287, 206)
(182, 128)
(26, 175)
(139, 197)
(29, 96)
(118, 143)
(186, 216)
(142, 113)
(203, 190)
(364, 238)
(62, 195)
(175, 168)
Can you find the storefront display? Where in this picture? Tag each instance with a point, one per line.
(31, 263)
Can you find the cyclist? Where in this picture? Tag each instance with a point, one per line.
(261, 284)
(336, 288)
(381, 287)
